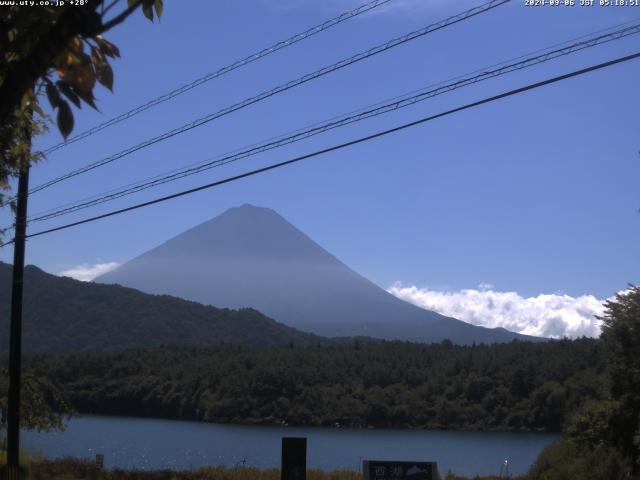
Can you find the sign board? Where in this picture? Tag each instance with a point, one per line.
(391, 470)
(100, 460)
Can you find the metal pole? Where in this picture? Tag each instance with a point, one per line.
(15, 341)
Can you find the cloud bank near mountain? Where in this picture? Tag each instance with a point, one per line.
(547, 315)
(87, 272)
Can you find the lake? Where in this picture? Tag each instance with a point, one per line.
(158, 444)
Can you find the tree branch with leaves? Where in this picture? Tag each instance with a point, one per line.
(60, 52)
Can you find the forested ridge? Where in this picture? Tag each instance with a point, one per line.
(65, 315)
(515, 386)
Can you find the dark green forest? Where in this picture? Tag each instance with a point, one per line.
(516, 386)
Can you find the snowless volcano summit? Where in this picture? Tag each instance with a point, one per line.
(252, 257)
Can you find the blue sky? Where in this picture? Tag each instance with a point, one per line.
(535, 194)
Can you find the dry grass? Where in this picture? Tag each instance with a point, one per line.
(77, 469)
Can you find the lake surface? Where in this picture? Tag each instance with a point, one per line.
(158, 444)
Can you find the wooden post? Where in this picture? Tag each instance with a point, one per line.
(294, 459)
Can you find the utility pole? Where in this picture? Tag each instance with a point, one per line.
(15, 340)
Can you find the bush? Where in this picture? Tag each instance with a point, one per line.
(564, 461)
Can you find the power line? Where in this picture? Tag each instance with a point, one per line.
(281, 88)
(451, 79)
(399, 102)
(360, 110)
(343, 145)
(298, 37)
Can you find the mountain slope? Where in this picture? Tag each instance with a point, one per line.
(63, 315)
(252, 257)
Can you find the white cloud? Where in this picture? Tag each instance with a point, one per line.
(87, 272)
(547, 315)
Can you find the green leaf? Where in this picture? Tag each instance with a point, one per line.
(87, 97)
(69, 93)
(158, 6)
(26, 99)
(53, 95)
(65, 118)
(104, 74)
(36, 108)
(147, 9)
(107, 47)
(96, 55)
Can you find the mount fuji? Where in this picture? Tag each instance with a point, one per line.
(252, 257)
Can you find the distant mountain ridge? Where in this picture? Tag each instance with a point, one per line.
(61, 315)
(252, 257)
